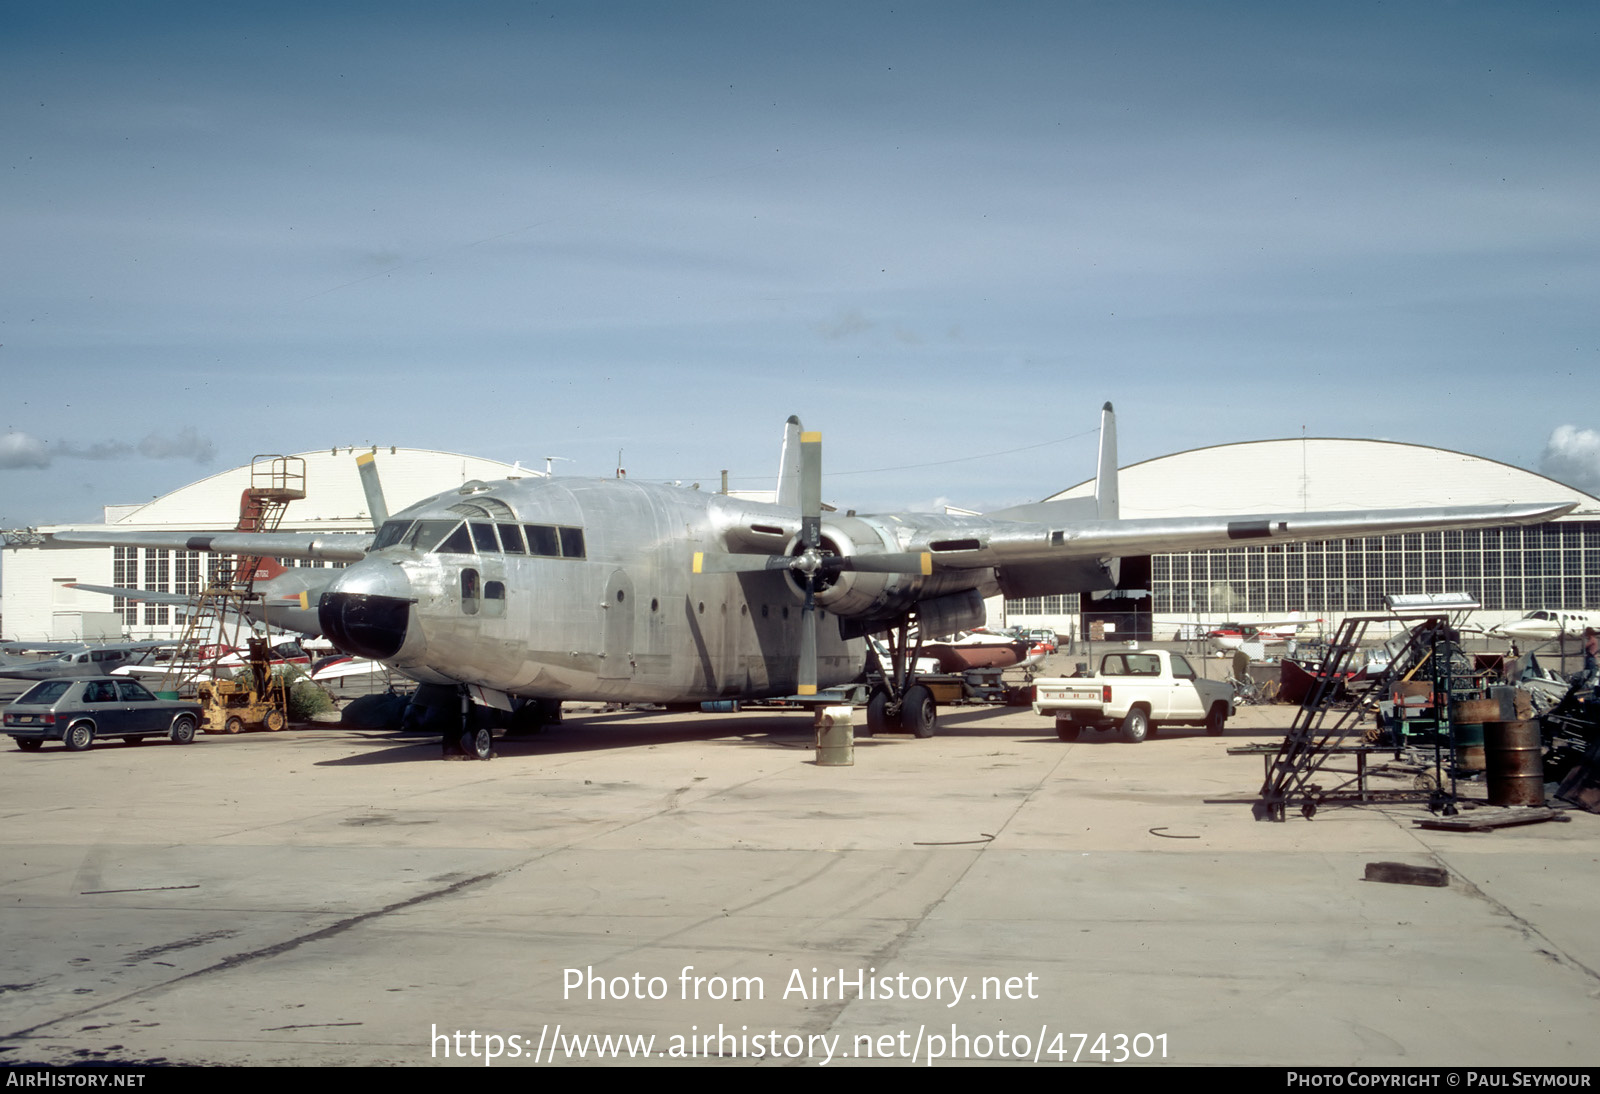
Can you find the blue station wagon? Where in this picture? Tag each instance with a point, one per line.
(80, 712)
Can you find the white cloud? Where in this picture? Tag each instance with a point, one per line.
(1572, 455)
(18, 450)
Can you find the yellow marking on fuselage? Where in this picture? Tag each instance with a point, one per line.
(699, 559)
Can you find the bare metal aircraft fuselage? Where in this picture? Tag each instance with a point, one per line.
(612, 609)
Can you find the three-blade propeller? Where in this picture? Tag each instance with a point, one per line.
(811, 564)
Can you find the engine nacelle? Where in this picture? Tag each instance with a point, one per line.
(851, 594)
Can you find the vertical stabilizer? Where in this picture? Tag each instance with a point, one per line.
(1105, 477)
(789, 465)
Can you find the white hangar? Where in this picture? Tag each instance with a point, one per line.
(37, 603)
(1511, 571)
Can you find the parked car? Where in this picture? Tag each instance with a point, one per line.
(80, 712)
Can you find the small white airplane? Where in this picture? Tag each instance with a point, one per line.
(1225, 637)
(1545, 626)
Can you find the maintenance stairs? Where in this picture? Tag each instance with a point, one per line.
(1311, 743)
(218, 624)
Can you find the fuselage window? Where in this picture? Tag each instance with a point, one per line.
(511, 539)
(392, 532)
(572, 543)
(469, 592)
(542, 541)
(458, 542)
(494, 600)
(483, 537)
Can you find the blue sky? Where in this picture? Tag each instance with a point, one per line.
(934, 231)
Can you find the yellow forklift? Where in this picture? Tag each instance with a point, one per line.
(257, 699)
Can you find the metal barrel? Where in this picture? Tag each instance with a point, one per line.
(1515, 766)
(836, 737)
(1469, 747)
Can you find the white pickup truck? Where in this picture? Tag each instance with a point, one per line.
(1135, 691)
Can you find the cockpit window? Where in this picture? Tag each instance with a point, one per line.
(392, 532)
(511, 539)
(425, 535)
(572, 543)
(542, 541)
(483, 537)
(458, 542)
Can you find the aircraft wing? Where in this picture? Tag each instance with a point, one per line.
(1008, 543)
(148, 596)
(339, 547)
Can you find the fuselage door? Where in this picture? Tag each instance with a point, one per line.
(618, 630)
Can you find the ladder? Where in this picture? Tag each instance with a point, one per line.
(1309, 744)
(218, 621)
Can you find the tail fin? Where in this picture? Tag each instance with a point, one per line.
(1105, 478)
(789, 465)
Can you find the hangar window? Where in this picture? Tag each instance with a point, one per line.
(469, 592)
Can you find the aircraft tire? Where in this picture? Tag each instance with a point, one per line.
(30, 744)
(877, 714)
(1136, 726)
(918, 711)
(1068, 730)
(80, 737)
(478, 743)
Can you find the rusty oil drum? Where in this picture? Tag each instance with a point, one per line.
(1515, 763)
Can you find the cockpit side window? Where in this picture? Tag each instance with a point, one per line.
(426, 535)
(572, 543)
(483, 537)
(494, 600)
(458, 542)
(469, 592)
(511, 539)
(542, 541)
(392, 532)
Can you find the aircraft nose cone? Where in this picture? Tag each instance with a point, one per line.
(366, 612)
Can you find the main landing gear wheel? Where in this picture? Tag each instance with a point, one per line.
(877, 714)
(478, 743)
(917, 711)
(1136, 726)
(1068, 730)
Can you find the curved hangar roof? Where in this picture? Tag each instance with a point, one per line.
(1320, 474)
(334, 498)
